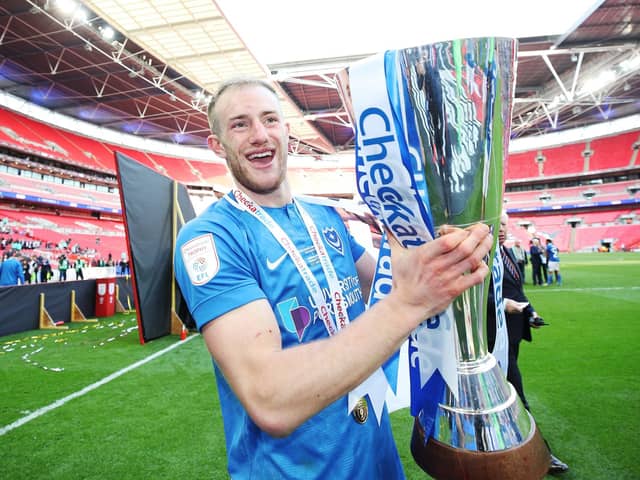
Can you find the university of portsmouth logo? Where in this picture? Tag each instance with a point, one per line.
(333, 239)
(295, 318)
(200, 259)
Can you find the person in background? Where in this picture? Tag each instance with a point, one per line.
(520, 317)
(35, 269)
(521, 258)
(79, 267)
(26, 269)
(543, 264)
(535, 254)
(45, 270)
(11, 271)
(553, 263)
(272, 282)
(63, 266)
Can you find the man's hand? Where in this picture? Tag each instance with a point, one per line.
(511, 306)
(429, 277)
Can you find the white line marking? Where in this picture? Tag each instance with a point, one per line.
(555, 289)
(87, 389)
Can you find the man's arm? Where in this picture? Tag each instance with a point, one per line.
(281, 388)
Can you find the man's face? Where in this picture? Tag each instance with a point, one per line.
(502, 233)
(253, 137)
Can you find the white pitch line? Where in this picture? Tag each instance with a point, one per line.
(87, 389)
(555, 289)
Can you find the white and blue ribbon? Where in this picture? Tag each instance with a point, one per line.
(390, 179)
(501, 345)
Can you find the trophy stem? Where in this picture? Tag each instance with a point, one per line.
(526, 461)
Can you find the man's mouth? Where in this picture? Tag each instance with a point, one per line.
(262, 157)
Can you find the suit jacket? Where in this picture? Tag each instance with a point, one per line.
(518, 326)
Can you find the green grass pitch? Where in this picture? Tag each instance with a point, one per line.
(65, 412)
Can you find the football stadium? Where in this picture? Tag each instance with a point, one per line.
(124, 196)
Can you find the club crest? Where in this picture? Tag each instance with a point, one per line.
(333, 239)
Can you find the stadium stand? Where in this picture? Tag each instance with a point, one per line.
(608, 192)
(94, 154)
(521, 165)
(55, 183)
(615, 152)
(178, 169)
(14, 134)
(29, 136)
(601, 154)
(565, 160)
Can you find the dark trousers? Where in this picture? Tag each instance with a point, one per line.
(536, 270)
(513, 372)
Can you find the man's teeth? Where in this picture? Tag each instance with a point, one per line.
(260, 155)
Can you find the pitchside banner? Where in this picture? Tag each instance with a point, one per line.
(147, 199)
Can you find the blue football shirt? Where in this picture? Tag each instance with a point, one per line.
(226, 258)
(553, 253)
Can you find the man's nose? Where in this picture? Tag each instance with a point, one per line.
(258, 133)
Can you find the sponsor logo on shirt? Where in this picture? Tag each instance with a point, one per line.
(295, 318)
(276, 263)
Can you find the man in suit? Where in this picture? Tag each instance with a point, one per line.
(520, 318)
(519, 313)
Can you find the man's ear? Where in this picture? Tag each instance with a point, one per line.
(214, 144)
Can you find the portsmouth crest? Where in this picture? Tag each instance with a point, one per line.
(333, 239)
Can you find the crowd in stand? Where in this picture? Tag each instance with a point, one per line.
(39, 260)
(16, 268)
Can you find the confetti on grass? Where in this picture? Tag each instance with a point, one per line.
(35, 344)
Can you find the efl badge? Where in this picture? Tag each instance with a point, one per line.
(361, 411)
(200, 259)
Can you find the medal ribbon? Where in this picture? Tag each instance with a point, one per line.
(376, 384)
(243, 202)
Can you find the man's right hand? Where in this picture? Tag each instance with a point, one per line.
(429, 277)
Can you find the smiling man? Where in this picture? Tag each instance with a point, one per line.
(276, 286)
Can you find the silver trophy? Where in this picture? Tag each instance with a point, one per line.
(457, 96)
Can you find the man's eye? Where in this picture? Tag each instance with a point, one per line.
(238, 125)
(271, 120)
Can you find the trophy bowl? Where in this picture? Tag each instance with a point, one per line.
(432, 132)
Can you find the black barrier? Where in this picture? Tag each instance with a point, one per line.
(20, 305)
(149, 202)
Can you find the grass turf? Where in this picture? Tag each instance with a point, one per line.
(162, 420)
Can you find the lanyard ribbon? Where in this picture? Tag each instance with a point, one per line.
(375, 385)
(243, 202)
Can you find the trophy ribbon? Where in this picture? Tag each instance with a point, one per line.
(501, 345)
(391, 181)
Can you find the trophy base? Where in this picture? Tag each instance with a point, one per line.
(528, 461)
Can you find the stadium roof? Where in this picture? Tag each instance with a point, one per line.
(155, 74)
